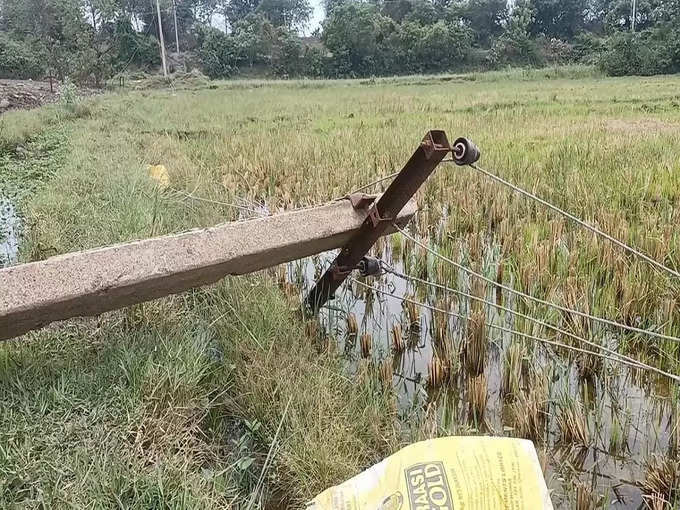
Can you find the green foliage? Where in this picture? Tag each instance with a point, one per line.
(587, 48)
(18, 59)
(556, 51)
(485, 18)
(415, 48)
(515, 45)
(92, 40)
(365, 42)
(291, 14)
(643, 53)
(217, 52)
(560, 19)
(134, 48)
(254, 37)
(355, 34)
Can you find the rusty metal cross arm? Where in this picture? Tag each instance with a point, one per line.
(434, 147)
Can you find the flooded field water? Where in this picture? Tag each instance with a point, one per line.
(9, 232)
(626, 416)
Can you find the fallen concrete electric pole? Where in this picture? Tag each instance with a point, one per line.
(91, 282)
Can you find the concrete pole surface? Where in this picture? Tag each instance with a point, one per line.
(91, 282)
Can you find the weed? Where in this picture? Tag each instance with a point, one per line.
(572, 422)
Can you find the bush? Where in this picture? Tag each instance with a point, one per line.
(515, 50)
(515, 46)
(18, 60)
(217, 52)
(135, 49)
(556, 51)
(645, 53)
(588, 48)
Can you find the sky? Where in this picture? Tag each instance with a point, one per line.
(317, 17)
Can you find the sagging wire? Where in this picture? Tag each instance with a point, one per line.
(405, 277)
(191, 196)
(560, 345)
(524, 295)
(378, 181)
(579, 221)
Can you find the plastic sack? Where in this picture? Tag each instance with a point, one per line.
(472, 473)
(160, 174)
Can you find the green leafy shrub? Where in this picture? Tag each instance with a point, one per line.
(515, 46)
(654, 51)
(134, 48)
(217, 52)
(556, 51)
(588, 47)
(18, 60)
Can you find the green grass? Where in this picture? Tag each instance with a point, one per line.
(176, 403)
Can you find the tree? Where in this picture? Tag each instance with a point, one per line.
(561, 19)
(486, 18)
(615, 15)
(515, 45)
(424, 12)
(291, 14)
(217, 52)
(54, 28)
(355, 34)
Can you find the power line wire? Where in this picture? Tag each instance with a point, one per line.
(526, 317)
(601, 320)
(573, 218)
(378, 181)
(635, 365)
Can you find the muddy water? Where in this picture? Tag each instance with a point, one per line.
(10, 225)
(643, 408)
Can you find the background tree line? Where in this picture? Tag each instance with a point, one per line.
(93, 40)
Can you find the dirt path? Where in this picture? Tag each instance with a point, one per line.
(22, 94)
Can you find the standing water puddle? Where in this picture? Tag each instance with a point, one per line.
(10, 226)
(629, 417)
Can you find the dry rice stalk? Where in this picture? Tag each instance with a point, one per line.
(512, 375)
(662, 479)
(475, 343)
(412, 312)
(477, 397)
(572, 422)
(398, 342)
(291, 290)
(366, 343)
(584, 497)
(499, 280)
(528, 412)
(386, 373)
(656, 502)
(437, 373)
(352, 325)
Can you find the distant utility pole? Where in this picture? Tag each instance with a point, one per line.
(632, 19)
(160, 35)
(174, 13)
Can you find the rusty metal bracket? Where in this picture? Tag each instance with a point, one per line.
(433, 148)
(361, 200)
(376, 219)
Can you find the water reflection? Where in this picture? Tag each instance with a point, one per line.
(627, 417)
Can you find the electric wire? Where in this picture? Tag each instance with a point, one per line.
(575, 219)
(565, 309)
(378, 181)
(515, 332)
(557, 329)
